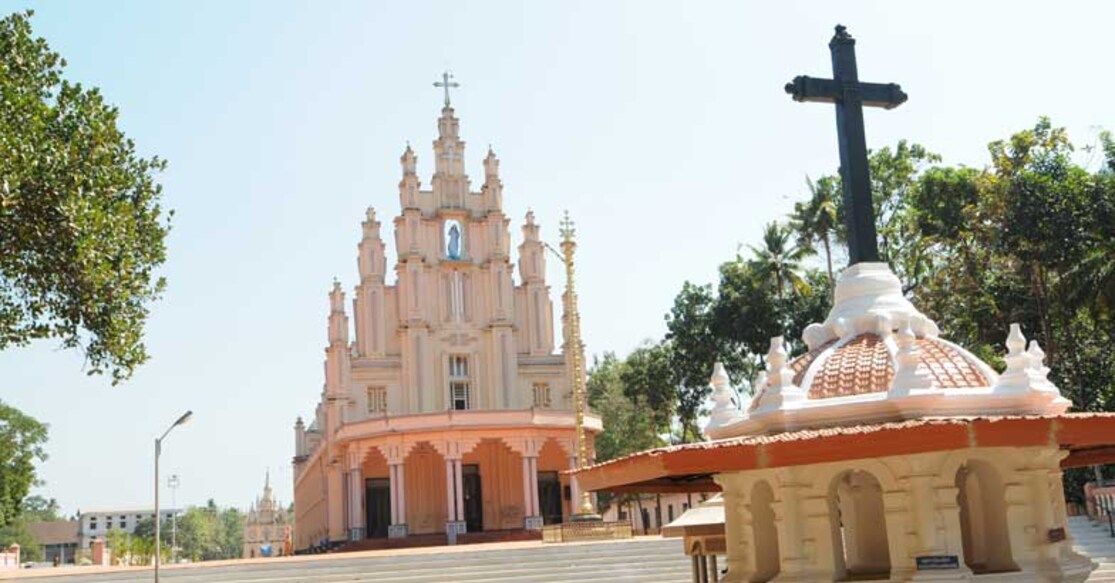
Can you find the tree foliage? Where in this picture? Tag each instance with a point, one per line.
(204, 533)
(82, 229)
(21, 445)
(17, 532)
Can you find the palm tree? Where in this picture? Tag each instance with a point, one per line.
(779, 260)
(1092, 280)
(817, 219)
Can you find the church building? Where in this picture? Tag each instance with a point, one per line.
(450, 411)
(267, 527)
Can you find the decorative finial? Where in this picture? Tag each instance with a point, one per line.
(567, 230)
(726, 407)
(446, 83)
(842, 33)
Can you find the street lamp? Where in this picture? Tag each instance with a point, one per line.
(172, 483)
(159, 450)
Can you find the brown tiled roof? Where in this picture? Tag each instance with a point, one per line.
(1089, 437)
(949, 367)
(801, 364)
(56, 531)
(861, 366)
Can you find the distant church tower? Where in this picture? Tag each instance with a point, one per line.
(267, 528)
(453, 360)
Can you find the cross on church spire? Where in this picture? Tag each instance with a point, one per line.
(446, 83)
(850, 96)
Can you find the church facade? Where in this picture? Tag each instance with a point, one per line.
(450, 411)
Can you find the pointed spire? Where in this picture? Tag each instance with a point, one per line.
(409, 161)
(337, 297)
(491, 166)
(530, 228)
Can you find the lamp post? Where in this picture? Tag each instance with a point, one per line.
(173, 483)
(159, 450)
(576, 346)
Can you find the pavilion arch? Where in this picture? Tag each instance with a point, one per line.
(1004, 459)
(764, 532)
(857, 517)
(984, 531)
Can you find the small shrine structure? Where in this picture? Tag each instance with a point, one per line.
(884, 452)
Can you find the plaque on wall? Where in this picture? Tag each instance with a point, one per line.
(1057, 535)
(938, 562)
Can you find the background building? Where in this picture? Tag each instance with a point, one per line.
(98, 523)
(450, 412)
(59, 539)
(267, 527)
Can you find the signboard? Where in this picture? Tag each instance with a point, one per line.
(1057, 535)
(938, 562)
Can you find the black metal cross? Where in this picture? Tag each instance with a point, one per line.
(850, 96)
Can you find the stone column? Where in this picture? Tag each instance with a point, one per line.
(398, 526)
(460, 492)
(534, 488)
(450, 495)
(355, 502)
(532, 518)
(737, 529)
(575, 490)
(455, 517)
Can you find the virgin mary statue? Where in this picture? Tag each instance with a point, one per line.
(454, 247)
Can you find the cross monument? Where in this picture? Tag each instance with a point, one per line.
(447, 84)
(850, 96)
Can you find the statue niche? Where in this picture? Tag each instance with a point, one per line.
(453, 246)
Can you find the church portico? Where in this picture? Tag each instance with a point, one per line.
(493, 473)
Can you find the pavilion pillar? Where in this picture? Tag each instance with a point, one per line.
(815, 518)
(739, 544)
(398, 526)
(532, 516)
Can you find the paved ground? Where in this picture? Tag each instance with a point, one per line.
(641, 559)
(645, 559)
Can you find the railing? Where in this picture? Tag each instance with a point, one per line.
(1100, 503)
(588, 530)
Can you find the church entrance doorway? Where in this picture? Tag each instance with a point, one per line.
(377, 506)
(474, 503)
(549, 497)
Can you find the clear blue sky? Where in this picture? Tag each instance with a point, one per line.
(662, 127)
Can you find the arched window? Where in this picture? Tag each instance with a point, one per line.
(764, 533)
(859, 528)
(983, 519)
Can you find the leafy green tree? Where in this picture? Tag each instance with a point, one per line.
(17, 532)
(232, 522)
(649, 381)
(21, 445)
(627, 427)
(39, 509)
(82, 230)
